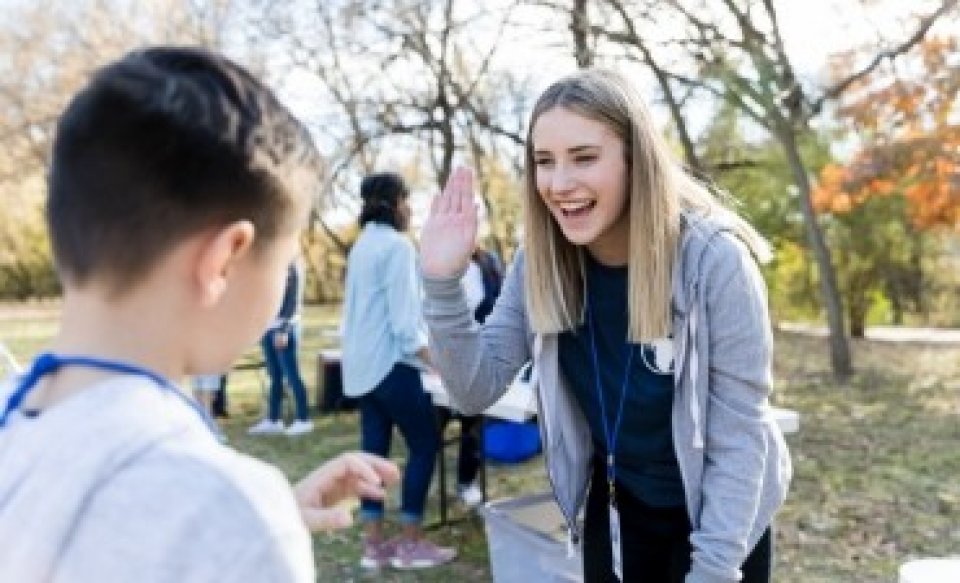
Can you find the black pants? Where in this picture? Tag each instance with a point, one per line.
(219, 406)
(468, 460)
(655, 541)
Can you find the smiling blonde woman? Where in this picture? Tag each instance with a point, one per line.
(637, 298)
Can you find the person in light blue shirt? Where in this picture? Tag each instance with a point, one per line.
(384, 350)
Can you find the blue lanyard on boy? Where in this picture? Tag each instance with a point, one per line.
(47, 363)
(609, 436)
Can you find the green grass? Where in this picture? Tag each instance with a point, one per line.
(877, 469)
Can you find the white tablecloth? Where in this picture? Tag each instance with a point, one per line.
(519, 403)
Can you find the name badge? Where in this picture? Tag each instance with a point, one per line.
(615, 547)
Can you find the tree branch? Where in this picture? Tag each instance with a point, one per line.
(925, 24)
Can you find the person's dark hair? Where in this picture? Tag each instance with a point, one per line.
(381, 194)
(162, 144)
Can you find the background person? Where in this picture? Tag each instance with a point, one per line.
(205, 388)
(384, 352)
(481, 286)
(281, 344)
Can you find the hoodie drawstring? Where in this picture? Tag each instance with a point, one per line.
(693, 395)
(573, 539)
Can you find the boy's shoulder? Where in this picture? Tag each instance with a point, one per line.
(196, 483)
(204, 515)
(175, 448)
(127, 470)
(205, 499)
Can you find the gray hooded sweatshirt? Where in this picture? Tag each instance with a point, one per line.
(123, 482)
(733, 460)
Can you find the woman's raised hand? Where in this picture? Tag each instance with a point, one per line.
(449, 234)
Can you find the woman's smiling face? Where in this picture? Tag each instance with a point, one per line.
(581, 175)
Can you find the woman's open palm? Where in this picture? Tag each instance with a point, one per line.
(450, 232)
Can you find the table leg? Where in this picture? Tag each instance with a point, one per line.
(442, 416)
(481, 446)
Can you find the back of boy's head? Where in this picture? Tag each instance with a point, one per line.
(163, 144)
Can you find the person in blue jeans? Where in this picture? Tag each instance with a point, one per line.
(280, 348)
(384, 351)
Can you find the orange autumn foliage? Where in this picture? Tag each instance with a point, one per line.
(910, 136)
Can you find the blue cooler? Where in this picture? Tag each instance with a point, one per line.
(509, 442)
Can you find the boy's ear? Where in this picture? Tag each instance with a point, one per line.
(219, 255)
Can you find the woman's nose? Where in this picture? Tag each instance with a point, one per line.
(561, 180)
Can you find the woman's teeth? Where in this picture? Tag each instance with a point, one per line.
(576, 208)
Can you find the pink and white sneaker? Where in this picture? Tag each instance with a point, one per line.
(377, 555)
(420, 554)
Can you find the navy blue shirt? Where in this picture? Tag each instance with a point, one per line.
(646, 463)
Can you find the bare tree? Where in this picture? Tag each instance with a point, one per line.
(412, 76)
(54, 48)
(50, 49)
(629, 36)
(580, 29)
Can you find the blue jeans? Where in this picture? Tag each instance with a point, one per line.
(283, 364)
(400, 400)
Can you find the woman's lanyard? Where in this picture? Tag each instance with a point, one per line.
(47, 363)
(611, 440)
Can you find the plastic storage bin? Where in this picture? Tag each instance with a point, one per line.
(527, 538)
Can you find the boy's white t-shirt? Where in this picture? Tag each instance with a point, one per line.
(125, 482)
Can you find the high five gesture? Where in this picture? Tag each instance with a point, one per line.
(450, 232)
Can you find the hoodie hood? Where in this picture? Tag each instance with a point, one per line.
(697, 233)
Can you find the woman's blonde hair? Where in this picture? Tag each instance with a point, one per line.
(659, 191)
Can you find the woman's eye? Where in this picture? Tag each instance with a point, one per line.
(543, 162)
(585, 159)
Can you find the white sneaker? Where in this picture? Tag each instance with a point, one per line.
(267, 427)
(299, 427)
(470, 495)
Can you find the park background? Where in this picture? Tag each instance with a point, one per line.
(833, 124)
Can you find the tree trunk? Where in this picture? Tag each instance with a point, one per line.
(916, 286)
(857, 310)
(839, 348)
(580, 26)
(896, 306)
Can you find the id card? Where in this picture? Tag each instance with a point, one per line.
(615, 547)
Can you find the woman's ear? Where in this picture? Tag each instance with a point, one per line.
(218, 257)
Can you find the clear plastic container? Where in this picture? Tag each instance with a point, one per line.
(527, 538)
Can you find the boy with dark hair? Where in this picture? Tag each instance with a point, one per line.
(178, 188)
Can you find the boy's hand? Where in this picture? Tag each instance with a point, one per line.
(349, 475)
(449, 234)
(280, 340)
